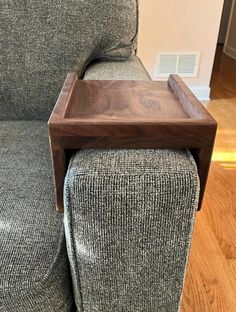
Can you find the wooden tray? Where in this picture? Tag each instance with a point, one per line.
(129, 114)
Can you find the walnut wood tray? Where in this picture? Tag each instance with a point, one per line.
(129, 114)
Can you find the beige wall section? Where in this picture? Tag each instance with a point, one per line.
(170, 25)
(230, 46)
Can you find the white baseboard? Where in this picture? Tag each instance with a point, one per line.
(202, 93)
(230, 51)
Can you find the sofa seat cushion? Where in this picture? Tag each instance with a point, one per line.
(34, 273)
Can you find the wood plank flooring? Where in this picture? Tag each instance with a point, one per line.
(210, 284)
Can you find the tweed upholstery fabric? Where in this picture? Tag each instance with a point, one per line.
(131, 69)
(129, 218)
(34, 270)
(41, 41)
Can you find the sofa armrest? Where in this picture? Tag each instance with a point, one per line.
(132, 69)
(129, 216)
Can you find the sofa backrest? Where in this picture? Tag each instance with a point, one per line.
(41, 41)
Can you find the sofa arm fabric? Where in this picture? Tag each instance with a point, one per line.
(129, 218)
(117, 70)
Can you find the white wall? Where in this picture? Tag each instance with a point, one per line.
(171, 25)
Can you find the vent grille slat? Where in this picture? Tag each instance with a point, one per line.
(168, 63)
(185, 64)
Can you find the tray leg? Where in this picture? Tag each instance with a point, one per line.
(59, 168)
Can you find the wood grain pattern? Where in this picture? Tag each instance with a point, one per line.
(194, 291)
(58, 153)
(192, 106)
(124, 101)
(131, 114)
(60, 107)
(213, 269)
(211, 278)
(60, 166)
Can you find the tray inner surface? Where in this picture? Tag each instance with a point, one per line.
(123, 100)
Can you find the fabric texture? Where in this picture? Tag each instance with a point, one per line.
(34, 270)
(129, 218)
(41, 41)
(131, 69)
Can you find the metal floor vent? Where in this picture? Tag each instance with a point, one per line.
(185, 64)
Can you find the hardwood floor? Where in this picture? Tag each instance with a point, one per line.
(210, 283)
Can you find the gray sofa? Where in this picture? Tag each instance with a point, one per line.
(128, 215)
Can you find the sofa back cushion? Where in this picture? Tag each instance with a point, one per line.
(41, 41)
